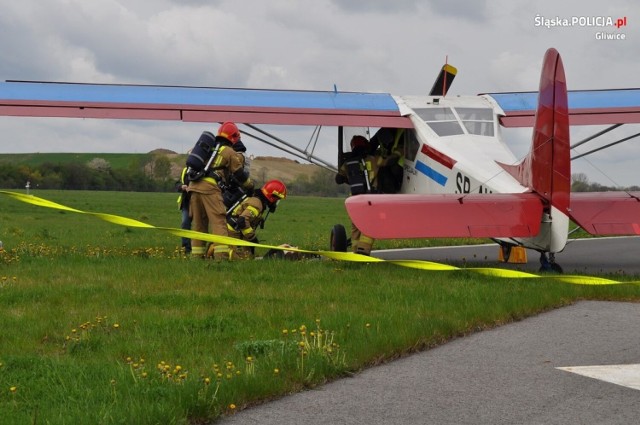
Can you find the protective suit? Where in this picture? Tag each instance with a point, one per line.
(206, 205)
(360, 170)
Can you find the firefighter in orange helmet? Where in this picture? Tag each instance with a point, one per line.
(206, 203)
(247, 214)
(359, 170)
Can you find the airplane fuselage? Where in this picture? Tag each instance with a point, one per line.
(457, 148)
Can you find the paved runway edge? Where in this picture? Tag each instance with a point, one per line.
(505, 375)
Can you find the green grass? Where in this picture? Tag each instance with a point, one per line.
(300, 221)
(104, 324)
(116, 160)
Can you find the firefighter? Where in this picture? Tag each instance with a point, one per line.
(247, 214)
(390, 158)
(359, 169)
(183, 205)
(206, 204)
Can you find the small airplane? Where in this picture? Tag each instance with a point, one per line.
(459, 178)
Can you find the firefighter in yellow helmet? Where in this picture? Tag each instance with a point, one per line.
(248, 213)
(360, 170)
(206, 204)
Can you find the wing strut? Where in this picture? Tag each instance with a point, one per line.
(606, 130)
(313, 139)
(633, 136)
(294, 150)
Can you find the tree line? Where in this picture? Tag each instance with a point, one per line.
(155, 176)
(74, 176)
(580, 183)
(143, 176)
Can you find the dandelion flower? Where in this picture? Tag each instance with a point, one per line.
(13, 389)
(232, 406)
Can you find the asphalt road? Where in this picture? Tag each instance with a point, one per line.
(620, 255)
(508, 375)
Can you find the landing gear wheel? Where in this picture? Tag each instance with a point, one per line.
(338, 240)
(549, 264)
(555, 267)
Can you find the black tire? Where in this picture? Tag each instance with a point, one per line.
(556, 268)
(506, 252)
(551, 268)
(338, 241)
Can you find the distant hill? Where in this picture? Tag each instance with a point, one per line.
(262, 168)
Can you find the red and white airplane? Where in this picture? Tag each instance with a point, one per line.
(459, 180)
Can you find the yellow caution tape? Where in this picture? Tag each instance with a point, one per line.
(341, 256)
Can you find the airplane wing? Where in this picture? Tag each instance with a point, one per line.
(291, 107)
(586, 107)
(606, 213)
(200, 104)
(471, 215)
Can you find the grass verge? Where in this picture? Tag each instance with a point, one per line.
(103, 324)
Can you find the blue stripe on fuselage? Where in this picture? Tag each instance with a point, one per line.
(441, 179)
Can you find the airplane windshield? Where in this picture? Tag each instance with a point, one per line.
(446, 121)
(477, 120)
(441, 120)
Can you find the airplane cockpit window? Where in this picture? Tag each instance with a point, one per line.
(441, 120)
(477, 120)
(447, 121)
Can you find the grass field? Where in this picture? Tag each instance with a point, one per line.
(105, 324)
(116, 160)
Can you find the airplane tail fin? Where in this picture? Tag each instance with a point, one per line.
(547, 168)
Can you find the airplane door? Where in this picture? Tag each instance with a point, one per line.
(344, 139)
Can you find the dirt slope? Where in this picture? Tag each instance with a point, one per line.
(263, 168)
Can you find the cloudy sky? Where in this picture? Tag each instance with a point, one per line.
(391, 46)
